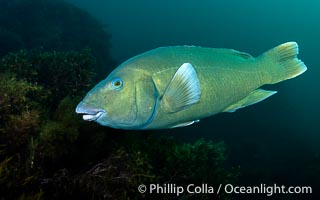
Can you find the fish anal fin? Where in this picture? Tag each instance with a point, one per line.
(254, 97)
(185, 124)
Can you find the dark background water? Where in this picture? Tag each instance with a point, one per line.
(275, 141)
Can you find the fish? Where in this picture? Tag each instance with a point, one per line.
(176, 86)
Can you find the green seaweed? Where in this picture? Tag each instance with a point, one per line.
(38, 125)
(47, 151)
(37, 24)
(15, 95)
(119, 174)
(70, 72)
(58, 134)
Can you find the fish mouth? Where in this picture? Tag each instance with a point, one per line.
(92, 117)
(89, 113)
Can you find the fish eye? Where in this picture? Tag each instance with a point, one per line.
(117, 83)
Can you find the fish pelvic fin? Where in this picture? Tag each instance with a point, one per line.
(282, 62)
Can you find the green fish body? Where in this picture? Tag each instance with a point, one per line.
(176, 86)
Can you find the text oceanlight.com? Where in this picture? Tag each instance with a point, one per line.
(178, 190)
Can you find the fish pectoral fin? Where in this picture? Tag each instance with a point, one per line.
(254, 97)
(185, 124)
(183, 89)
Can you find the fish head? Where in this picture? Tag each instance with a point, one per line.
(126, 99)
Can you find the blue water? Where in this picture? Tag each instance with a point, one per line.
(274, 141)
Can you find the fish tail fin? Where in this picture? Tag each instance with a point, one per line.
(282, 62)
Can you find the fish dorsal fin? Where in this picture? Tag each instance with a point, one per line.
(254, 97)
(185, 124)
(242, 54)
(183, 89)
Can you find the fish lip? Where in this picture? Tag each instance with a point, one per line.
(92, 117)
(82, 108)
(89, 113)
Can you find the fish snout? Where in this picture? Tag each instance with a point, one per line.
(88, 112)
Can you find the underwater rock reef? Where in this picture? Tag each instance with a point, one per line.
(48, 152)
(52, 25)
